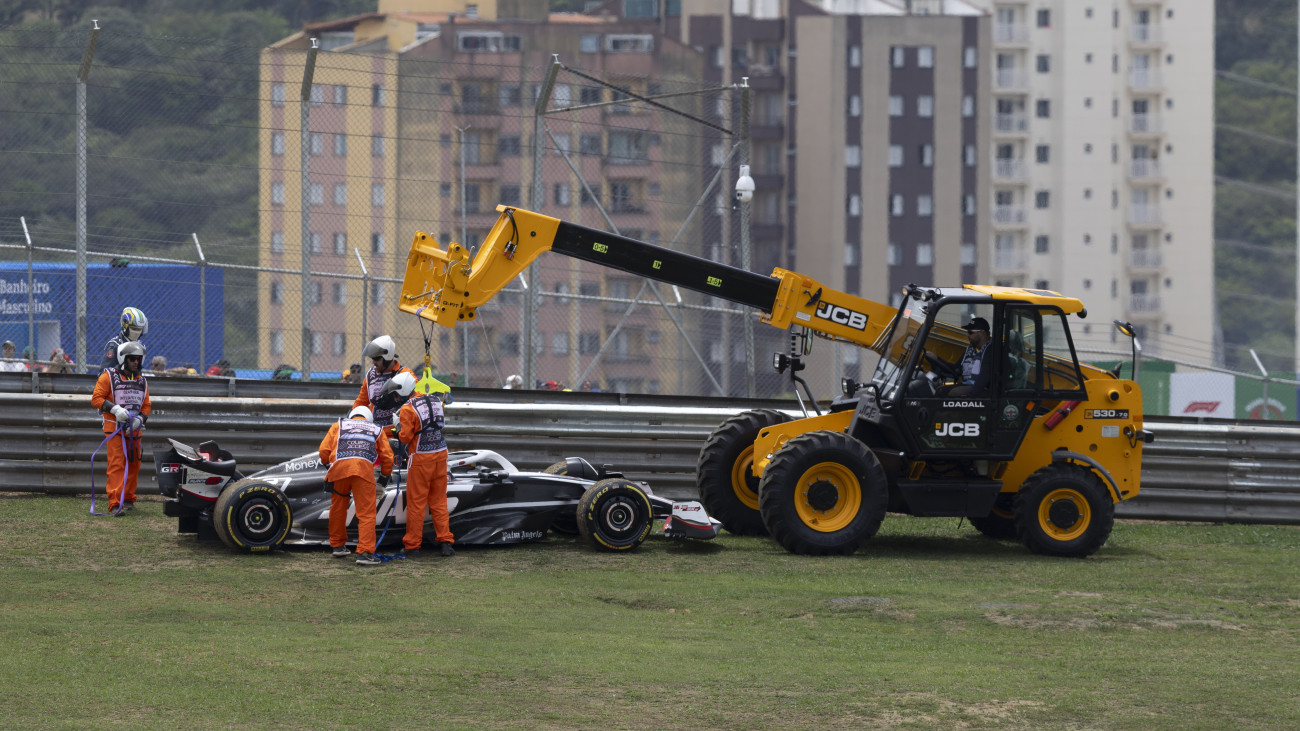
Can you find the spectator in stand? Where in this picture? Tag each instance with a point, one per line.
(514, 382)
(9, 363)
(158, 364)
(29, 355)
(60, 362)
(221, 368)
(353, 373)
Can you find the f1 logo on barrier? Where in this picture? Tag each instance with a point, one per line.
(1208, 407)
(957, 430)
(842, 316)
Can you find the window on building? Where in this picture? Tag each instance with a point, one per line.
(1042, 153)
(892, 255)
(340, 145)
(340, 95)
(589, 198)
(377, 194)
(316, 194)
(627, 43)
(444, 190)
(509, 195)
(855, 105)
(855, 205)
(1043, 108)
(969, 255)
(471, 196)
(896, 205)
(970, 57)
(895, 156)
(317, 143)
(895, 105)
(560, 343)
(968, 205)
(968, 155)
(590, 145)
(852, 156)
(925, 105)
(898, 57)
(1044, 18)
(588, 343)
(340, 242)
(377, 292)
(378, 146)
(377, 95)
(926, 155)
(924, 255)
(589, 43)
(924, 205)
(277, 292)
(855, 56)
(563, 195)
(340, 344)
(508, 95)
(1043, 63)
(376, 243)
(277, 242)
(1042, 199)
(277, 95)
(968, 106)
(925, 57)
(1040, 244)
(277, 143)
(277, 342)
(314, 292)
(314, 242)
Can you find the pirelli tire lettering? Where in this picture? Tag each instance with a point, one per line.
(252, 516)
(615, 515)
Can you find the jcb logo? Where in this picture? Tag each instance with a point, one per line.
(842, 316)
(957, 430)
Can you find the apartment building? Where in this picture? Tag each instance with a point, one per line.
(1103, 164)
(422, 119)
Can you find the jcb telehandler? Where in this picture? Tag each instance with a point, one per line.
(1041, 451)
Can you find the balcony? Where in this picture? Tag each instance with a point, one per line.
(1144, 79)
(1009, 215)
(1146, 259)
(766, 78)
(1009, 169)
(1145, 124)
(1006, 79)
(1011, 33)
(1010, 123)
(482, 107)
(1144, 169)
(1146, 35)
(1009, 260)
(1144, 214)
(1144, 303)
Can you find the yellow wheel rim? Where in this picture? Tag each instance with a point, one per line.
(1070, 532)
(740, 477)
(828, 497)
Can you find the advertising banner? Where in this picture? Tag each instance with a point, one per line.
(1203, 394)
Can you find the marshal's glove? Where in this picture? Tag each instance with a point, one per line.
(383, 480)
(137, 423)
(120, 414)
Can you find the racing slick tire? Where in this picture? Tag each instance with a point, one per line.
(614, 515)
(1000, 524)
(728, 487)
(565, 522)
(252, 516)
(824, 492)
(1063, 509)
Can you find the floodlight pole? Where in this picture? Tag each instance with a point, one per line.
(82, 76)
(304, 134)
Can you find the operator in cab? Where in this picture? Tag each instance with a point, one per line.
(976, 363)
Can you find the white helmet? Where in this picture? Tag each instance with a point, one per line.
(381, 347)
(128, 349)
(396, 392)
(514, 381)
(362, 411)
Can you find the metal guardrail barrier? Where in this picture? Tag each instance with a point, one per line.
(1197, 470)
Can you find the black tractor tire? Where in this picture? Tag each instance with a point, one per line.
(566, 522)
(824, 492)
(1064, 509)
(252, 516)
(727, 485)
(1000, 524)
(614, 515)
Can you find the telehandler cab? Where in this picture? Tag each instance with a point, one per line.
(1040, 450)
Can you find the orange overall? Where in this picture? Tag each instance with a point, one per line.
(353, 474)
(371, 385)
(131, 392)
(426, 475)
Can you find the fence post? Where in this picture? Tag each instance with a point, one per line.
(203, 307)
(31, 296)
(746, 218)
(365, 297)
(538, 199)
(82, 75)
(304, 134)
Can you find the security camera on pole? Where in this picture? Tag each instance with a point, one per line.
(745, 194)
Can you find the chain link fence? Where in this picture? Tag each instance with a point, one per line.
(170, 174)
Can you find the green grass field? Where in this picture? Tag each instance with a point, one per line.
(122, 623)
